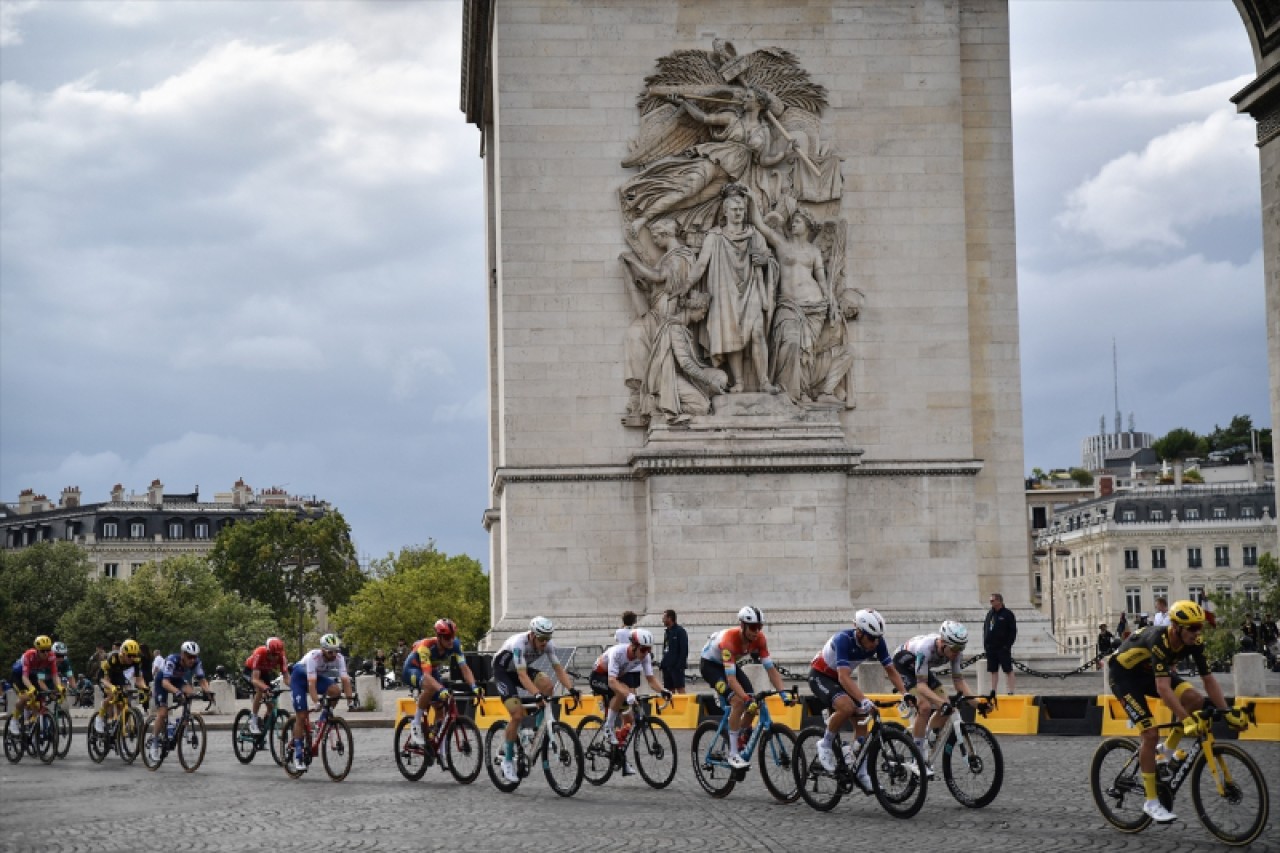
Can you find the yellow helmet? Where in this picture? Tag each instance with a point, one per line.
(1186, 613)
(43, 643)
(130, 648)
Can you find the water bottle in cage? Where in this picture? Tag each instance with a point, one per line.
(173, 728)
(526, 740)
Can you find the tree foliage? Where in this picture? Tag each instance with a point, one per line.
(1231, 610)
(410, 592)
(164, 604)
(1178, 443)
(1081, 476)
(288, 563)
(37, 585)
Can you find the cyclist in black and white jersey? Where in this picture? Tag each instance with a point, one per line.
(609, 680)
(511, 675)
(914, 661)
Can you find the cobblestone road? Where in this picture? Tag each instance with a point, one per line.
(75, 805)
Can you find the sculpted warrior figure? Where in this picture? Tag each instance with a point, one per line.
(677, 383)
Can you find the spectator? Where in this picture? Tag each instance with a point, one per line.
(1142, 621)
(999, 632)
(1122, 627)
(1106, 642)
(675, 653)
(1161, 618)
(93, 669)
(379, 664)
(398, 656)
(145, 668)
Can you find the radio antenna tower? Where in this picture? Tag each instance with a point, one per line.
(1115, 372)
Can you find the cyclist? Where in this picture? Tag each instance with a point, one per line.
(318, 671)
(719, 668)
(427, 659)
(913, 660)
(118, 669)
(25, 674)
(511, 675)
(609, 680)
(64, 665)
(1143, 666)
(831, 680)
(179, 669)
(261, 668)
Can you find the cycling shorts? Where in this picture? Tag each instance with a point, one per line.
(713, 673)
(905, 663)
(599, 682)
(826, 688)
(1132, 687)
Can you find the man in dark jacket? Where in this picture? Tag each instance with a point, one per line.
(675, 653)
(1106, 641)
(999, 631)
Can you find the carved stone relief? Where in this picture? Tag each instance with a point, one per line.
(736, 265)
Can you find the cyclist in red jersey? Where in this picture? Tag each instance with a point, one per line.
(261, 668)
(26, 672)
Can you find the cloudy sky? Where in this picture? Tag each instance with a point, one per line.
(244, 240)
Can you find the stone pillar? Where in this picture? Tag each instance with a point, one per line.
(1249, 673)
(224, 694)
(370, 688)
(872, 678)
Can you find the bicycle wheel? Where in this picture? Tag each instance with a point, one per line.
(129, 735)
(191, 743)
(711, 759)
(495, 744)
(464, 751)
(284, 748)
(97, 744)
(973, 767)
(338, 749)
(411, 758)
(63, 721)
(1116, 782)
(44, 738)
(817, 786)
(243, 741)
(777, 752)
(1238, 815)
(655, 751)
(562, 759)
(896, 765)
(148, 729)
(13, 749)
(597, 750)
(276, 722)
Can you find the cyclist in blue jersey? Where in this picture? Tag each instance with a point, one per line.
(180, 671)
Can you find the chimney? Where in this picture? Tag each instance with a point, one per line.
(155, 493)
(117, 493)
(1177, 473)
(26, 498)
(241, 495)
(70, 497)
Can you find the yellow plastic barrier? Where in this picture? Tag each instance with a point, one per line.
(683, 713)
(493, 710)
(1116, 722)
(1267, 712)
(890, 715)
(1014, 715)
(405, 708)
(589, 707)
(792, 717)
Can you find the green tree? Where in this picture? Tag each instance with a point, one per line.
(1178, 443)
(410, 592)
(37, 585)
(1230, 610)
(1236, 434)
(164, 604)
(1081, 476)
(289, 563)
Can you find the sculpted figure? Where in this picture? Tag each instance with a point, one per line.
(655, 289)
(741, 276)
(678, 383)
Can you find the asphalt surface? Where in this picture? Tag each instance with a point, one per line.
(75, 805)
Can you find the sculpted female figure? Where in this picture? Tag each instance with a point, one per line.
(741, 276)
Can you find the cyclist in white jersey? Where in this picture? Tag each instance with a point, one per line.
(914, 660)
(318, 671)
(608, 678)
(511, 674)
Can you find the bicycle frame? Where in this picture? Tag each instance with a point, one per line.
(761, 727)
(955, 720)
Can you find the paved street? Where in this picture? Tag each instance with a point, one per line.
(75, 805)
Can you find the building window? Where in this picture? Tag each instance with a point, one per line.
(175, 530)
(1133, 599)
(111, 570)
(1251, 555)
(109, 530)
(1195, 592)
(1193, 558)
(1222, 589)
(1192, 513)
(134, 568)
(1128, 515)
(1037, 580)
(1159, 592)
(1246, 511)
(1157, 558)
(1039, 518)
(1221, 556)
(1157, 515)
(1131, 561)
(137, 530)
(1252, 592)
(1219, 512)
(71, 532)
(201, 530)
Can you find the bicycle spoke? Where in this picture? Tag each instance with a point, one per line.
(1237, 814)
(1115, 780)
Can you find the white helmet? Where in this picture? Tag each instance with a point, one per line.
(330, 643)
(751, 615)
(541, 626)
(190, 648)
(954, 634)
(869, 622)
(641, 637)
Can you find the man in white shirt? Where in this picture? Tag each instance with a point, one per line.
(1162, 612)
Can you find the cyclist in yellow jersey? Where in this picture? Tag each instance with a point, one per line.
(1143, 666)
(116, 669)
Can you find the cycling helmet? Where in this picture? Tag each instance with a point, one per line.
(330, 643)
(446, 628)
(954, 634)
(275, 645)
(131, 648)
(541, 626)
(1186, 613)
(643, 638)
(60, 648)
(751, 615)
(43, 643)
(190, 648)
(869, 622)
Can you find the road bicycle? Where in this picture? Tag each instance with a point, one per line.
(893, 762)
(1227, 787)
(246, 744)
(327, 737)
(648, 738)
(38, 732)
(452, 740)
(776, 742)
(185, 735)
(553, 743)
(62, 719)
(123, 732)
(970, 757)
